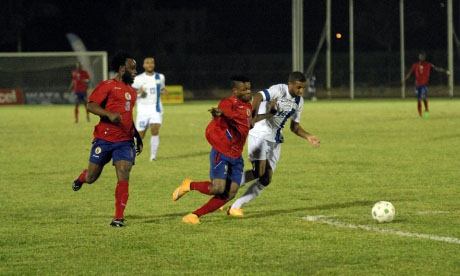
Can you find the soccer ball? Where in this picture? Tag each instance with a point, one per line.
(383, 211)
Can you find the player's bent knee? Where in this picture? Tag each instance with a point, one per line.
(216, 189)
(91, 178)
(231, 195)
(265, 180)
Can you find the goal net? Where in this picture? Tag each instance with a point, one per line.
(45, 78)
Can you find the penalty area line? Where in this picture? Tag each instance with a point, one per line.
(322, 219)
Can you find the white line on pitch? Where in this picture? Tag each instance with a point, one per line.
(381, 230)
(432, 212)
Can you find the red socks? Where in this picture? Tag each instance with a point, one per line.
(121, 198)
(202, 187)
(82, 176)
(212, 205)
(419, 108)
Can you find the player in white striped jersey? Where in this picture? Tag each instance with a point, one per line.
(150, 85)
(264, 140)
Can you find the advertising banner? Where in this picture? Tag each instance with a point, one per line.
(11, 96)
(175, 94)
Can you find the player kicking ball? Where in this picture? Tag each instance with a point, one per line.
(113, 100)
(227, 133)
(264, 141)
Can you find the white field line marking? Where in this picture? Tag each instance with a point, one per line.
(381, 230)
(432, 212)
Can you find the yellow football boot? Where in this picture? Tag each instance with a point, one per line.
(191, 218)
(235, 212)
(182, 189)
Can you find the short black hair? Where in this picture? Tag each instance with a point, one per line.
(119, 59)
(297, 76)
(421, 52)
(238, 78)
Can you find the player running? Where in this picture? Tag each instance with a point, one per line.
(113, 100)
(264, 141)
(150, 85)
(79, 83)
(422, 71)
(227, 133)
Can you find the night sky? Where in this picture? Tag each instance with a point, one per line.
(230, 26)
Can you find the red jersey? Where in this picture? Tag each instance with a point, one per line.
(228, 132)
(116, 97)
(422, 72)
(79, 77)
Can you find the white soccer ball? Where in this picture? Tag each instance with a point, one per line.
(383, 211)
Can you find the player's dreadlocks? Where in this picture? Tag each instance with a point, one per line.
(119, 60)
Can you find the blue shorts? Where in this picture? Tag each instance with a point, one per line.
(224, 167)
(421, 91)
(81, 96)
(102, 151)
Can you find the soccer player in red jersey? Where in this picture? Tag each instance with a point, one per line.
(227, 133)
(113, 100)
(422, 70)
(79, 83)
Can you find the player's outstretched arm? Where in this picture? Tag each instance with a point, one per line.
(297, 129)
(98, 110)
(440, 69)
(139, 144)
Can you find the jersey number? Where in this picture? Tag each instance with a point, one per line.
(420, 69)
(127, 106)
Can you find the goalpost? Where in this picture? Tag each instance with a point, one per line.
(298, 43)
(450, 56)
(44, 77)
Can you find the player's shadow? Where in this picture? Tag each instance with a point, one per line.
(157, 218)
(446, 137)
(260, 214)
(192, 154)
(255, 214)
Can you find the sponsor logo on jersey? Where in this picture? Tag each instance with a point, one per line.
(248, 112)
(117, 88)
(283, 113)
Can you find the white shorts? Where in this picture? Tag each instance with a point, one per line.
(261, 149)
(143, 121)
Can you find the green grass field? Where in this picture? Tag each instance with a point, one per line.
(370, 151)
